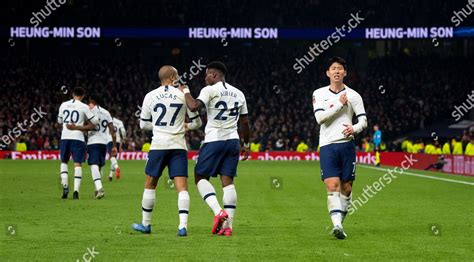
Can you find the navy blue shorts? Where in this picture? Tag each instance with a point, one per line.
(96, 154)
(219, 157)
(109, 147)
(75, 147)
(175, 159)
(338, 160)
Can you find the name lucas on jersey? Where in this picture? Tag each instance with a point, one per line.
(166, 96)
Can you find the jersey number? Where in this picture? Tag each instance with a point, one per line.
(163, 113)
(74, 116)
(103, 124)
(222, 106)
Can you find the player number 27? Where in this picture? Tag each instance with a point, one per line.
(163, 113)
(222, 106)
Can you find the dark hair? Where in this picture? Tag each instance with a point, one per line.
(113, 111)
(336, 59)
(218, 66)
(78, 91)
(95, 98)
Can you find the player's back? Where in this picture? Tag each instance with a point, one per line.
(118, 125)
(100, 134)
(224, 104)
(167, 108)
(73, 112)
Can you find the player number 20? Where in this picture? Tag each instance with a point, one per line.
(71, 117)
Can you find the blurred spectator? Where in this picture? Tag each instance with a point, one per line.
(21, 146)
(302, 147)
(457, 147)
(255, 146)
(146, 146)
(470, 148)
(446, 148)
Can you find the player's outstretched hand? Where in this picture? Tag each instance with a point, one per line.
(343, 99)
(113, 152)
(71, 126)
(182, 87)
(245, 152)
(348, 130)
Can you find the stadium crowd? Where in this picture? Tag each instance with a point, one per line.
(417, 90)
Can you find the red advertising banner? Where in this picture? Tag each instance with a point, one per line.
(456, 164)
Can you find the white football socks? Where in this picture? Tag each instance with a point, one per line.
(335, 208)
(230, 203)
(208, 193)
(345, 204)
(96, 177)
(64, 175)
(77, 178)
(113, 166)
(183, 208)
(148, 202)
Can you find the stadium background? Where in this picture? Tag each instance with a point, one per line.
(410, 86)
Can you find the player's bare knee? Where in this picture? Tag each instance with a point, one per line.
(198, 178)
(346, 188)
(227, 180)
(151, 182)
(181, 184)
(332, 185)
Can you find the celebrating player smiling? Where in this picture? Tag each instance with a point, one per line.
(334, 107)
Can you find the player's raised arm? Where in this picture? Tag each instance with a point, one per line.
(145, 116)
(195, 121)
(322, 115)
(193, 104)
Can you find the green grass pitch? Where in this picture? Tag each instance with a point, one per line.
(281, 215)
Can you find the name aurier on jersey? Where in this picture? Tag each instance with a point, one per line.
(228, 93)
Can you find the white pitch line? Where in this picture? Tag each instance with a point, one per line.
(424, 176)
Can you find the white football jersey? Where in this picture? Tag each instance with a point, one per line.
(120, 131)
(165, 107)
(74, 112)
(224, 104)
(100, 133)
(324, 99)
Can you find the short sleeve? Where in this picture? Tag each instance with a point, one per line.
(145, 114)
(358, 106)
(90, 116)
(243, 109)
(206, 95)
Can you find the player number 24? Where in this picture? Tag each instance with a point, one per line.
(223, 107)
